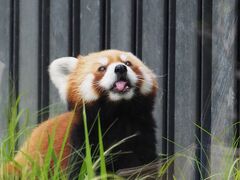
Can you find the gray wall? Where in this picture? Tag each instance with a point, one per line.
(192, 46)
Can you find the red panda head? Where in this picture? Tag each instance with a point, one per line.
(117, 75)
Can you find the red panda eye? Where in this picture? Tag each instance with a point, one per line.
(101, 68)
(128, 63)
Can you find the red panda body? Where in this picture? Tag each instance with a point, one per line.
(37, 144)
(113, 83)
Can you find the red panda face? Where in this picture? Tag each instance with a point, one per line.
(115, 74)
(119, 80)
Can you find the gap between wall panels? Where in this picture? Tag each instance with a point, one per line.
(14, 55)
(105, 31)
(205, 73)
(74, 27)
(43, 60)
(169, 84)
(237, 77)
(137, 16)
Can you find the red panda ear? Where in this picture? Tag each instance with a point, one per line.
(59, 71)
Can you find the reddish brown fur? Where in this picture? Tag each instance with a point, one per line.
(37, 144)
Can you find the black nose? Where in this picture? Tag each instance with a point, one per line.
(120, 69)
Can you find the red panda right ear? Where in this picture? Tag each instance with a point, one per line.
(59, 71)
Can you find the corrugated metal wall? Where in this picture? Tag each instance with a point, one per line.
(193, 46)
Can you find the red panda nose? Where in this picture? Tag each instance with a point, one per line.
(120, 69)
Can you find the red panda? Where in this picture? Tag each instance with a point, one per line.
(113, 83)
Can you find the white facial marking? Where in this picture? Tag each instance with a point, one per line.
(132, 76)
(59, 71)
(86, 89)
(103, 61)
(128, 95)
(110, 78)
(147, 83)
(123, 57)
(116, 97)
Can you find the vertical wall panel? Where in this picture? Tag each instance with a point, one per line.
(90, 26)
(185, 84)
(59, 46)
(4, 62)
(28, 57)
(121, 25)
(223, 51)
(205, 58)
(152, 53)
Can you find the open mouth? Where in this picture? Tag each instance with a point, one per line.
(121, 86)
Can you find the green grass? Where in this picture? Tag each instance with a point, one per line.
(224, 159)
(103, 169)
(88, 160)
(89, 166)
(96, 158)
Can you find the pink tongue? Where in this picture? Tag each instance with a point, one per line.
(120, 85)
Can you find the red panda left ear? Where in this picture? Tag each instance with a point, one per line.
(59, 71)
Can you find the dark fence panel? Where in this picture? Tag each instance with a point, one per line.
(205, 73)
(5, 34)
(90, 29)
(59, 42)
(122, 25)
(152, 48)
(186, 81)
(192, 46)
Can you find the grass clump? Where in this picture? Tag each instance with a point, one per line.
(97, 161)
(14, 133)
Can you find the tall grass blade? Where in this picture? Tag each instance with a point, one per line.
(103, 169)
(88, 158)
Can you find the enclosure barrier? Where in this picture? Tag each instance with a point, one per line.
(193, 47)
